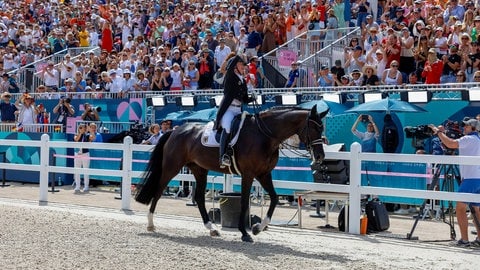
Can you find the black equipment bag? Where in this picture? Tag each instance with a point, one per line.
(377, 215)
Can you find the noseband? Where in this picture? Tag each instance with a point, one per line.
(310, 143)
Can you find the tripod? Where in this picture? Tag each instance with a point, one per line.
(450, 174)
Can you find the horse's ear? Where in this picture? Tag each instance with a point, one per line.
(323, 114)
(313, 111)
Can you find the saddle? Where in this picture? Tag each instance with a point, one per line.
(211, 138)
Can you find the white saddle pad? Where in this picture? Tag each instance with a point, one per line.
(208, 136)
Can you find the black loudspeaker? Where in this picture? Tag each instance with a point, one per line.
(331, 171)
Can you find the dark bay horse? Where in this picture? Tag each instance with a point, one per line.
(256, 153)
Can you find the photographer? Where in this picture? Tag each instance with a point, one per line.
(370, 137)
(468, 145)
(63, 110)
(90, 113)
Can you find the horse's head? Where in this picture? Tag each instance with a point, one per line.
(311, 134)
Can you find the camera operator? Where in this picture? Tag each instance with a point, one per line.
(370, 137)
(63, 110)
(468, 145)
(436, 143)
(90, 113)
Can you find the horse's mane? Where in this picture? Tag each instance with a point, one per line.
(280, 109)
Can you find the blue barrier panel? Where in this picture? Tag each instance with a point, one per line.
(395, 175)
(30, 155)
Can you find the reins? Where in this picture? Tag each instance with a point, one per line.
(309, 143)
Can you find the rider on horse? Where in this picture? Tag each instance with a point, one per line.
(235, 95)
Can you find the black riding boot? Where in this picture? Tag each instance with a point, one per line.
(224, 158)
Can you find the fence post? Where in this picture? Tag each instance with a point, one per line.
(127, 172)
(355, 184)
(228, 183)
(44, 160)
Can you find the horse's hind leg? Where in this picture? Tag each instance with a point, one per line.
(167, 175)
(201, 179)
(267, 184)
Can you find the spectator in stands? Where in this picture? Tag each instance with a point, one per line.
(51, 76)
(116, 82)
(372, 39)
(356, 78)
(325, 78)
(433, 68)
(254, 41)
(461, 78)
(392, 49)
(476, 76)
(378, 58)
(221, 53)
(369, 76)
(338, 71)
(293, 76)
(269, 29)
(4, 84)
(354, 60)
(177, 77)
(344, 81)
(191, 76)
(79, 84)
(82, 157)
(370, 137)
(7, 109)
(406, 53)
(392, 76)
(332, 25)
(451, 65)
(413, 78)
(142, 83)
(63, 110)
(206, 69)
(166, 79)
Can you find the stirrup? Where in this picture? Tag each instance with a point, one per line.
(226, 161)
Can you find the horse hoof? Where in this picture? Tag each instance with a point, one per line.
(256, 229)
(247, 238)
(214, 233)
(150, 228)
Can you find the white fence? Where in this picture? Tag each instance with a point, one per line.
(354, 189)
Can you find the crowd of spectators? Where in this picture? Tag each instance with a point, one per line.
(412, 42)
(180, 45)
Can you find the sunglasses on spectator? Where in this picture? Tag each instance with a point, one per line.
(394, 65)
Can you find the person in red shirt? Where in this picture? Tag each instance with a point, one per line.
(433, 68)
(392, 49)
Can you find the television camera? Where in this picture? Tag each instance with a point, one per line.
(419, 133)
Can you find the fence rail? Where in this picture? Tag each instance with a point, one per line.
(354, 189)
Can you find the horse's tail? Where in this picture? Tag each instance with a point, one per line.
(149, 186)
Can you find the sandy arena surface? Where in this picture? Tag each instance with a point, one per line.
(89, 231)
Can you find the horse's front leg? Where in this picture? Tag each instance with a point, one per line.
(245, 203)
(267, 184)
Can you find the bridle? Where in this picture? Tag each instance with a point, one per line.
(309, 144)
